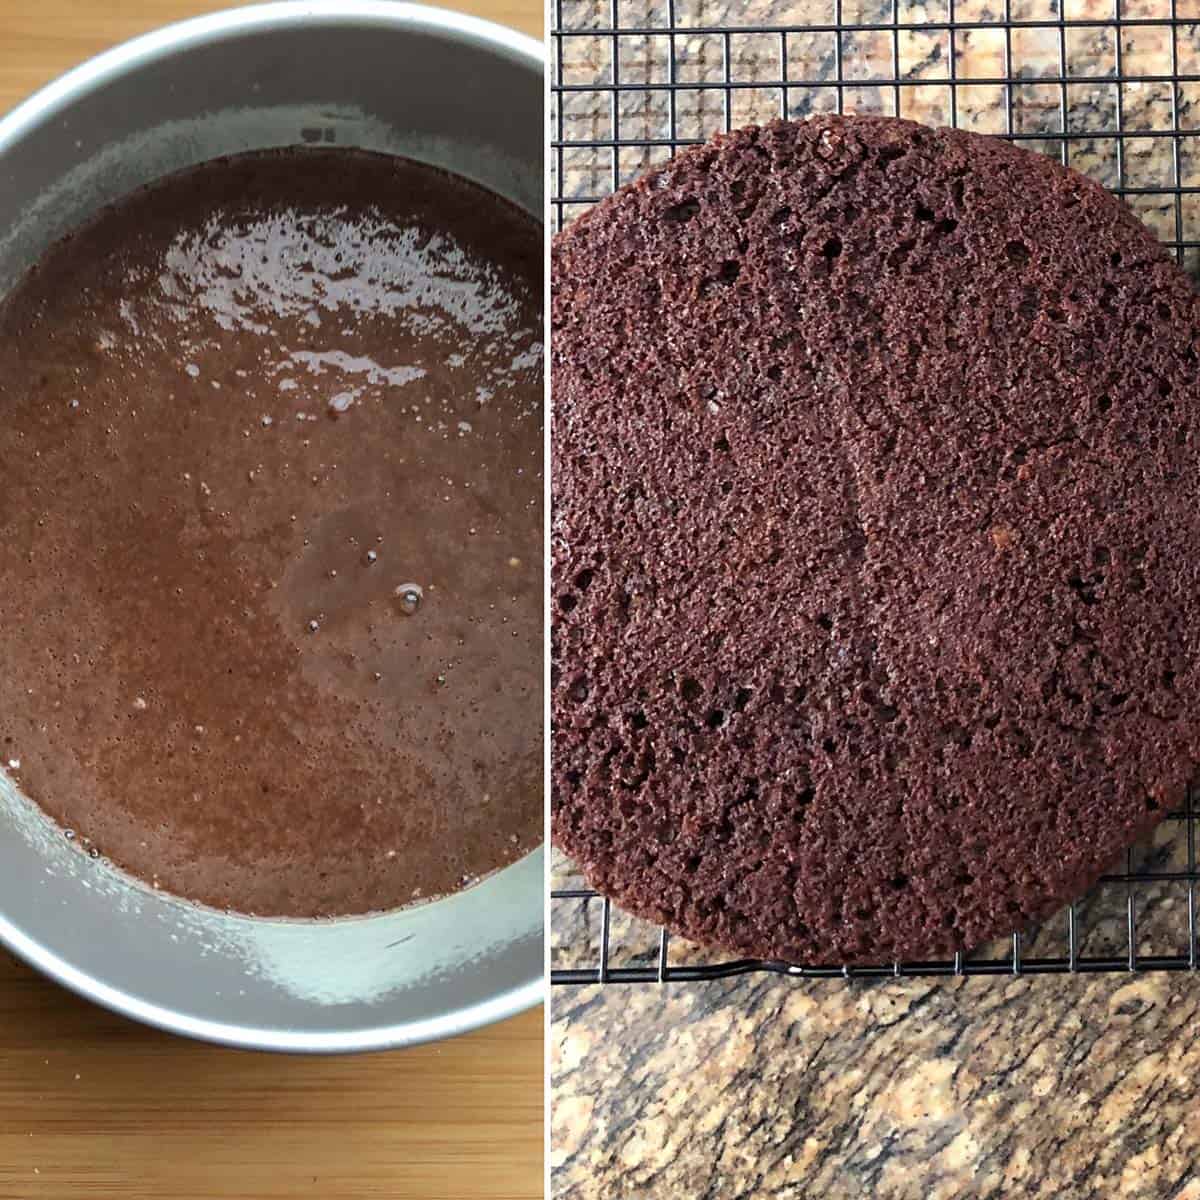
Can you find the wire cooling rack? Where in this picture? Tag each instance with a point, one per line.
(1110, 87)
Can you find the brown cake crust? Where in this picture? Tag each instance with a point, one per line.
(876, 535)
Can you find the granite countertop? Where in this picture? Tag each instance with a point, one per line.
(1071, 1087)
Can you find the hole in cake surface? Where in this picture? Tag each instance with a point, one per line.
(681, 213)
(1017, 252)
(898, 256)
(1085, 589)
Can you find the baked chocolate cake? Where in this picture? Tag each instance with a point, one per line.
(876, 539)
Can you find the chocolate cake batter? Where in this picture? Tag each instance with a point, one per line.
(271, 530)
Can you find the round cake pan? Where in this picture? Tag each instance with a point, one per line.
(438, 87)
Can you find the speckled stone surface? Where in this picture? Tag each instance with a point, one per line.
(799, 73)
(1073, 1088)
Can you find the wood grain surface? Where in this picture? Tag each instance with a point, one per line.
(92, 1105)
(40, 39)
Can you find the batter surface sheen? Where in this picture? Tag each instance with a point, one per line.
(270, 533)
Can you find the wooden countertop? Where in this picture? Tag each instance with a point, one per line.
(39, 41)
(93, 1105)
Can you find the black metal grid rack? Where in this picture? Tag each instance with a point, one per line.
(1110, 87)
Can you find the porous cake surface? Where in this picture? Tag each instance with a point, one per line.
(875, 539)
